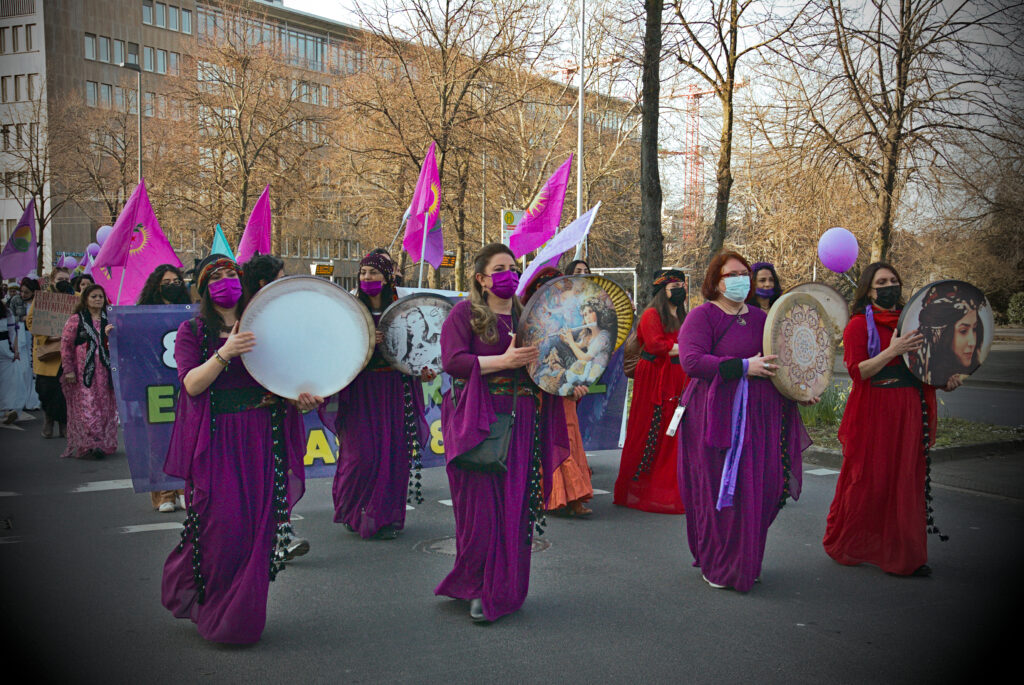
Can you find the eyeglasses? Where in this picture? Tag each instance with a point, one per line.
(176, 281)
(744, 274)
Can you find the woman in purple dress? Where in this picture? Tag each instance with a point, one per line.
(380, 427)
(239, 450)
(740, 442)
(495, 513)
(86, 381)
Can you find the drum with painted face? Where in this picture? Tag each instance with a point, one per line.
(311, 336)
(411, 327)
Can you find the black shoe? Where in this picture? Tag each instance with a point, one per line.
(922, 571)
(298, 547)
(98, 454)
(386, 533)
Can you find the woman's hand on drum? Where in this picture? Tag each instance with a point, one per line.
(813, 400)
(427, 374)
(954, 382)
(378, 338)
(516, 357)
(578, 391)
(109, 329)
(307, 402)
(900, 345)
(237, 343)
(761, 366)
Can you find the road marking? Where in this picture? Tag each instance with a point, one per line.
(601, 492)
(446, 502)
(9, 494)
(101, 485)
(409, 507)
(150, 527)
(11, 426)
(10, 540)
(822, 472)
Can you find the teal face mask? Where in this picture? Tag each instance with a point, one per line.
(737, 287)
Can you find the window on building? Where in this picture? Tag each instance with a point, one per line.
(118, 52)
(5, 89)
(30, 29)
(160, 15)
(119, 98)
(147, 104)
(147, 58)
(15, 36)
(173, 60)
(106, 95)
(172, 18)
(132, 53)
(19, 87)
(186, 21)
(5, 136)
(161, 61)
(90, 46)
(91, 96)
(5, 38)
(103, 49)
(33, 85)
(147, 11)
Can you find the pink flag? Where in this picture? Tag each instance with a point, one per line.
(541, 219)
(424, 214)
(257, 234)
(134, 248)
(19, 256)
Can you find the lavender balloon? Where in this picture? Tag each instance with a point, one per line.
(837, 249)
(103, 233)
(92, 249)
(70, 262)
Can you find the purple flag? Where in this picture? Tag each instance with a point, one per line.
(542, 217)
(19, 256)
(257, 234)
(569, 237)
(424, 213)
(134, 248)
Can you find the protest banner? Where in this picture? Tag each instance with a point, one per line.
(51, 312)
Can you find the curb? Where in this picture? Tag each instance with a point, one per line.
(834, 458)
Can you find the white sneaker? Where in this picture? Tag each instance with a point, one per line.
(166, 508)
(714, 585)
(181, 502)
(476, 610)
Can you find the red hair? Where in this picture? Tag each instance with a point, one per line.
(713, 277)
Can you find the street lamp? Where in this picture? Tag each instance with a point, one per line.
(138, 70)
(583, 247)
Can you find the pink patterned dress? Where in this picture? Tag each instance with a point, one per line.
(92, 410)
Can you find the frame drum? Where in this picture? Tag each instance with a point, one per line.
(623, 306)
(799, 331)
(956, 321)
(412, 332)
(311, 336)
(574, 323)
(835, 304)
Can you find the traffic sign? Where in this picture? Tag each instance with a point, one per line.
(510, 219)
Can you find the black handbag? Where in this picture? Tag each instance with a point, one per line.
(491, 455)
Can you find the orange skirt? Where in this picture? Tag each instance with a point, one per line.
(571, 480)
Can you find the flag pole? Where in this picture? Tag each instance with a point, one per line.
(423, 249)
(400, 227)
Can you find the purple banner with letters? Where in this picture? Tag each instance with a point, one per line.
(146, 386)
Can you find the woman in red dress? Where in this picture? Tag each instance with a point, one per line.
(647, 473)
(881, 512)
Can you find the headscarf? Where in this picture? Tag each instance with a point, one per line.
(211, 264)
(666, 277)
(381, 263)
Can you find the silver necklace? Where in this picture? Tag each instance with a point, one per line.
(739, 317)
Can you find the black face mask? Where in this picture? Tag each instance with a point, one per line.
(174, 293)
(677, 296)
(887, 296)
(64, 287)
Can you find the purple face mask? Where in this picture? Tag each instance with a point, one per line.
(225, 292)
(504, 284)
(371, 288)
(765, 292)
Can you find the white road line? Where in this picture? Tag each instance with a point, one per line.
(11, 426)
(150, 527)
(409, 507)
(822, 472)
(9, 494)
(598, 491)
(101, 485)
(446, 502)
(10, 540)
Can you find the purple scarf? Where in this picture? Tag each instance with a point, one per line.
(732, 458)
(874, 342)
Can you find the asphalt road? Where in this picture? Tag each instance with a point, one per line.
(612, 599)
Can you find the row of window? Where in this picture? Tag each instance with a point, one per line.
(18, 136)
(164, 16)
(15, 183)
(114, 51)
(16, 38)
(109, 96)
(19, 87)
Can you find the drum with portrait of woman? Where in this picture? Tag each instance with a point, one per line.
(955, 319)
(300, 323)
(572, 320)
(411, 328)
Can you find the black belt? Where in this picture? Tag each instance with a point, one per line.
(895, 376)
(644, 354)
(233, 400)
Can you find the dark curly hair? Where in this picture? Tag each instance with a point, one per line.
(151, 290)
(262, 267)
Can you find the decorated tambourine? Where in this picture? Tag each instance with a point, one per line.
(624, 310)
(799, 330)
(956, 322)
(411, 328)
(834, 303)
(311, 336)
(574, 323)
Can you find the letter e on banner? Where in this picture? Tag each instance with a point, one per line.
(160, 403)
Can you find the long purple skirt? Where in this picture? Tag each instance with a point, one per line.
(492, 541)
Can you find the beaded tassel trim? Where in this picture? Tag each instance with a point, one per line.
(283, 531)
(925, 439)
(190, 533)
(538, 520)
(786, 466)
(412, 441)
(647, 460)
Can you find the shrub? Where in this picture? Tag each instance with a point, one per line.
(1015, 312)
(829, 411)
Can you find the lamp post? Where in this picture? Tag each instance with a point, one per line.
(138, 70)
(582, 248)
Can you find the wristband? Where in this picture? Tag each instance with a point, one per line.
(222, 360)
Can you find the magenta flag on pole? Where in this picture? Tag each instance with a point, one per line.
(19, 256)
(257, 234)
(569, 237)
(134, 248)
(542, 217)
(424, 213)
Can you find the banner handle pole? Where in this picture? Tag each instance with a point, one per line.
(400, 227)
(423, 249)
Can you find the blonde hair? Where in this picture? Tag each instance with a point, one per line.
(483, 320)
